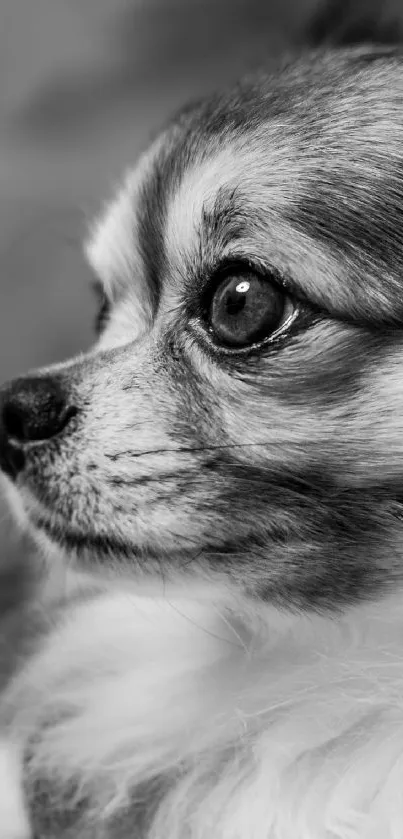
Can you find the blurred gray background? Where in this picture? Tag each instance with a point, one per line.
(83, 84)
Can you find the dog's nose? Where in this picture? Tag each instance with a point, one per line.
(32, 409)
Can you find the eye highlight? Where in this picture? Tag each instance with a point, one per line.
(247, 308)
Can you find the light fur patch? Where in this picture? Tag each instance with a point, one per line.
(197, 191)
(288, 725)
(264, 177)
(13, 817)
(111, 247)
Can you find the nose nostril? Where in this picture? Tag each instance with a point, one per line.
(26, 426)
(14, 424)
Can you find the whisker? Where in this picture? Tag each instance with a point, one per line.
(189, 449)
(199, 626)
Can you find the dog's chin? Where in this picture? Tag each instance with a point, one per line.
(84, 550)
(83, 546)
(15, 503)
(100, 556)
(33, 520)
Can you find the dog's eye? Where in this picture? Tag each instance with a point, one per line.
(247, 308)
(104, 306)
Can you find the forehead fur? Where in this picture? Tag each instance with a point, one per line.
(309, 158)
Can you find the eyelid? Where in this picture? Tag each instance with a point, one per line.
(217, 351)
(265, 269)
(241, 265)
(235, 265)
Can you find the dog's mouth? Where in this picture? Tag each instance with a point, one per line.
(34, 511)
(105, 554)
(84, 542)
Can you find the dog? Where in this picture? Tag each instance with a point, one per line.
(215, 648)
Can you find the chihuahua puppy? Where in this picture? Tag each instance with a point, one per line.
(217, 487)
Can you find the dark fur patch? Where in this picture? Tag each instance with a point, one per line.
(57, 809)
(305, 542)
(137, 818)
(348, 22)
(151, 216)
(358, 218)
(60, 810)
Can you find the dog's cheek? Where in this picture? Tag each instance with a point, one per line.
(380, 425)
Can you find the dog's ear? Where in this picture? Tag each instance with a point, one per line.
(354, 22)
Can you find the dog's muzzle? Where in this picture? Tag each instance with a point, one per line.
(33, 409)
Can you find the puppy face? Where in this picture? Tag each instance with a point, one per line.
(241, 414)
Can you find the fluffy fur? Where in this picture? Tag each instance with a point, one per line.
(178, 717)
(215, 646)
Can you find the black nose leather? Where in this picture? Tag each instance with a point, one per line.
(32, 409)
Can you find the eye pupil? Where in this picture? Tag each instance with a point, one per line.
(245, 310)
(235, 301)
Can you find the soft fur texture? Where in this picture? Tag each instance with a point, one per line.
(178, 717)
(216, 642)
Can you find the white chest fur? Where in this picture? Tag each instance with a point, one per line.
(13, 818)
(283, 727)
